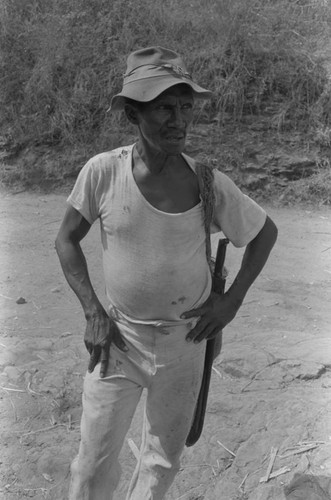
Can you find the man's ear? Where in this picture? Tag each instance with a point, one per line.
(131, 113)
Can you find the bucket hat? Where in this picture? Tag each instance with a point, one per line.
(150, 72)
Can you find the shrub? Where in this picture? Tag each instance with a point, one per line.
(62, 60)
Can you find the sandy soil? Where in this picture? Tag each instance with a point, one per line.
(271, 385)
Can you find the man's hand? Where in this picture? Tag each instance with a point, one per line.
(101, 331)
(215, 314)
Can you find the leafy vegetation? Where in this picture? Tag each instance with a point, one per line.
(62, 60)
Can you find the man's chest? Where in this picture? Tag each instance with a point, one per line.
(170, 197)
(174, 191)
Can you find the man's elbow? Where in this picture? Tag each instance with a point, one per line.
(61, 242)
(58, 244)
(269, 232)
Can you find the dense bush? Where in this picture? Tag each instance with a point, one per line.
(62, 60)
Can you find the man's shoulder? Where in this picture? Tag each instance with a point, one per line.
(110, 159)
(204, 165)
(208, 168)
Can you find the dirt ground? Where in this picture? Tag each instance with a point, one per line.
(271, 385)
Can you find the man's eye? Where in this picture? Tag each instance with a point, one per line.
(164, 107)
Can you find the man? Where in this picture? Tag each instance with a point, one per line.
(158, 283)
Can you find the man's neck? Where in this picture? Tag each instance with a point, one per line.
(156, 162)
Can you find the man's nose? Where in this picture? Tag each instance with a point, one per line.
(177, 117)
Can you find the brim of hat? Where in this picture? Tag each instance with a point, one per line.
(147, 89)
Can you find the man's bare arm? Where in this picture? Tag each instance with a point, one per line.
(73, 229)
(101, 330)
(254, 259)
(219, 310)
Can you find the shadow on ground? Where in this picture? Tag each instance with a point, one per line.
(308, 487)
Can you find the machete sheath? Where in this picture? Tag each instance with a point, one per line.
(200, 408)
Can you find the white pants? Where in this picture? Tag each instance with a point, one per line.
(170, 368)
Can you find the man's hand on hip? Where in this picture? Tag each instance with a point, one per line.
(215, 314)
(101, 331)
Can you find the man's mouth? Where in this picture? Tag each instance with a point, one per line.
(175, 138)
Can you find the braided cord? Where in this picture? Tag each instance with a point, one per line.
(205, 179)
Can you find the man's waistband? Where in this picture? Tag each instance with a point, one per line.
(118, 315)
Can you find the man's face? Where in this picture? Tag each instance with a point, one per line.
(163, 122)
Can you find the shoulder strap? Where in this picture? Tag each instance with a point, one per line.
(205, 176)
